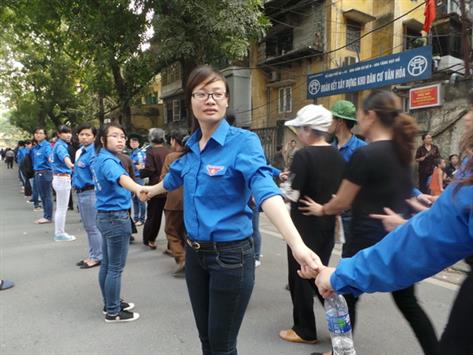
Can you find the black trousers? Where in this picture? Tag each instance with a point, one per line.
(302, 290)
(153, 219)
(406, 301)
(458, 335)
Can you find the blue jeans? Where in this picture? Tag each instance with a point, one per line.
(139, 207)
(115, 228)
(256, 233)
(44, 184)
(34, 190)
(220, 282)
(88, 215)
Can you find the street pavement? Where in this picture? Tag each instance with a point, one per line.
(55, 307)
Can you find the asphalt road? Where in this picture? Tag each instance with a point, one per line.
(55, 308)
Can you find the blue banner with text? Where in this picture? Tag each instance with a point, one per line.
(411, 65)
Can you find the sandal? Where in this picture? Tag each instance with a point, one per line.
(6, 284)
(86, 265)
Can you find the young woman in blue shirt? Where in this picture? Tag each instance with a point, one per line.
(62, 170)
(83, 183)
(113, 200)
(222, 167)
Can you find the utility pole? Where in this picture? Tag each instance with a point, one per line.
(466, 37)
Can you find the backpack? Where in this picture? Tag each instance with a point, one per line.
(26, 167)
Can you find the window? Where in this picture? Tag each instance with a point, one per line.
(279, 44)
(353, 35)
(176, 110)
(285, 99)
(352, 97)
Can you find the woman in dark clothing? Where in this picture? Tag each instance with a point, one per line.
(378, 176)
(155, 156)
(318, 170)
(426, 155)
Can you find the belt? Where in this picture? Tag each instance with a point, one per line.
(85, 188)
(62, 174)
(199, 245)
(41, 171)
(113, 211)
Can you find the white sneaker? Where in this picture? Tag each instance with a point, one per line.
(64, 238)
(257, 263)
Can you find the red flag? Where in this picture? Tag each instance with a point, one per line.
(430, 14)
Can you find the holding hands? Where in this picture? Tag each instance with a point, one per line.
(144, 193)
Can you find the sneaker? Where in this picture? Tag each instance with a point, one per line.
(42, 221)
(123, 316)
(64, 238)
(124, 306)
(37, 209)
(257, 263)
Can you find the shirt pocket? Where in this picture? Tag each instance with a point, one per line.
(218, 182)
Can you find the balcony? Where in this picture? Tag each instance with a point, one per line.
(294, 35)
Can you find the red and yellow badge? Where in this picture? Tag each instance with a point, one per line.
(214, 169)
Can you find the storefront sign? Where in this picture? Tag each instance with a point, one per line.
(411, 65)
(425, 96)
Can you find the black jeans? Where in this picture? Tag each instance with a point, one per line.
(406, 301)
(220, 283)
(153, 219)
(302, 290)
(458, 335)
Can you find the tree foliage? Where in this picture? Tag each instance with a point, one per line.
(63, 61)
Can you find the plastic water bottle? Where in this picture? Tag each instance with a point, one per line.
(339, 326)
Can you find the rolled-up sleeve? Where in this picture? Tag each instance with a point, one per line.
(62, 153)
(251, 163)
(173, 178)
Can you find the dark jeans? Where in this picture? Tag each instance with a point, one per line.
(302, 290)
(458, 336)
(115, 228)
(153, 219)
(44, 185)
(220, 283)
(406, 301)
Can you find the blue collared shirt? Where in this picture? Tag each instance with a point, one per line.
(107, 170)
(349, 148)
(138, 157)
(423, 246)
(58, 155)
(20, 155)
(82, 175)
(218, 182)
(40, 155)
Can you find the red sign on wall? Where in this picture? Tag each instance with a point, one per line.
(425, 96)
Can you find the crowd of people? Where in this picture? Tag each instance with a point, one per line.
(338, 182)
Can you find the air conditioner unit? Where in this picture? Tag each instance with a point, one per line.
(275, 76)
(451, 64)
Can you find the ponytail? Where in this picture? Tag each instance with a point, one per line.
(404, 134)
(387, 107)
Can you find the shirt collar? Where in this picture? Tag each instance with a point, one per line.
(219, 135)
(109, 154)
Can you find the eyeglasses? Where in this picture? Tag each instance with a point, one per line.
(118, 136)
(204, 96)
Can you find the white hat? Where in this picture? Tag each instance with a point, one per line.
(315, 116)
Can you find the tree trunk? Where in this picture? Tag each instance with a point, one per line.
(101, 110)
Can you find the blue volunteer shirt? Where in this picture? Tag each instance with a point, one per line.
(40, 155)
(218, 182)
(349, 148)
(58, 155)
(110, 195)
(138, 157)
(20, 155)
(422, 247)
(82, 176)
